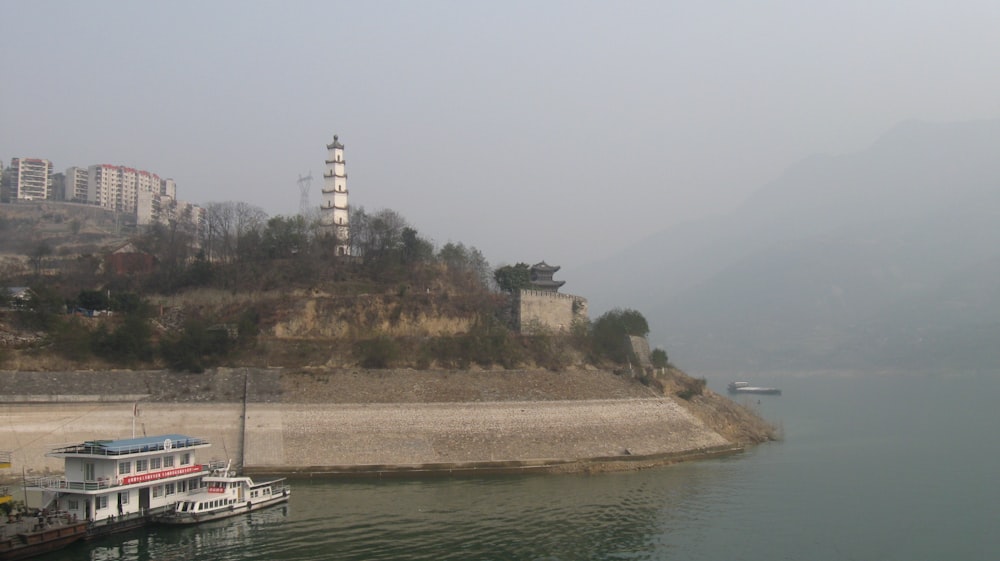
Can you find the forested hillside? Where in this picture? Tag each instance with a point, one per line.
(248, 289)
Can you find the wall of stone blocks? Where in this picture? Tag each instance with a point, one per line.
(551, 310)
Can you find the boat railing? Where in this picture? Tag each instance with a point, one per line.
(213, 465)
(60, 482)
(54, 482)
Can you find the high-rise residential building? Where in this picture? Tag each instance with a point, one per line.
(157, 208)
(117, 187)
(169, 188)
(76, 184)
(29, 179)
(334, 212)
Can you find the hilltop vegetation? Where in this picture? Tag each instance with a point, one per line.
(253, 290)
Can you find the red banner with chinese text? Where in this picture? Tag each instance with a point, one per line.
(144, 477)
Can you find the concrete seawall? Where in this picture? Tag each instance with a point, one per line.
(374, 438)
(265, 435)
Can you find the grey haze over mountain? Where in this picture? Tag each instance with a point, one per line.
(886, 258)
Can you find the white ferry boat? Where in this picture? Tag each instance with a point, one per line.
(225, 494)
(745, 387)
(114, 481)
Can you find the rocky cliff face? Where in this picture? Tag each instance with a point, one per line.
(330, 316)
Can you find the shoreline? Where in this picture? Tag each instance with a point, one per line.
(607, 464)
(337, 423)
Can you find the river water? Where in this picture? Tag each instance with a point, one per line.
(871, 467)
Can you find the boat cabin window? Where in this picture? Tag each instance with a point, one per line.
(168, 461)
(124, 467)
(185, 458)
(154, 463)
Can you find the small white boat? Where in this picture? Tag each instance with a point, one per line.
(225, 495)
(745, 387)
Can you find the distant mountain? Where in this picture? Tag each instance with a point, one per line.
(884, 258)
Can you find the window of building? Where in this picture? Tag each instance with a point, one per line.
(124, 467)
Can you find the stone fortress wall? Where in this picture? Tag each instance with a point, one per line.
(551, 310)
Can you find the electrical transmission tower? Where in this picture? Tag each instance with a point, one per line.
(304, 184)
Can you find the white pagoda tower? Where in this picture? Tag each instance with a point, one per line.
(333, 212)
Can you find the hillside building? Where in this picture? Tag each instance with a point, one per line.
(117, 188)
(28, 179)
(75, 180)
(334, 211)
(541, 277)
(543, 308)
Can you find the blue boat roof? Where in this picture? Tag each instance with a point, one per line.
(140, 441)
(144, 444)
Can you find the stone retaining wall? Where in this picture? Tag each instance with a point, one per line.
(342, 438)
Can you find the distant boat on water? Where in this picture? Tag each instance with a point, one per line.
(745, 387)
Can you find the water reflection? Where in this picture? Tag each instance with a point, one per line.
(609, 516)
(884, 469)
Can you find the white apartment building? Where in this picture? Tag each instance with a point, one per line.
(155, 208)
(76, 184)
(30, 178)
(117, 187)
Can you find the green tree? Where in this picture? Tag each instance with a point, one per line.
(415, 249)
(195, 348)
(128, 344)
(43, 310)
(659, 358)
(467, 262)
(512, 278)
(285, 237)
(199, 272)
(379, 352)
(93, 299)
(610, 330)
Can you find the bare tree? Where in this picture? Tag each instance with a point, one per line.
(38, 253)
(230, 226)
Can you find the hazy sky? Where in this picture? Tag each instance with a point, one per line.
(562, 131)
